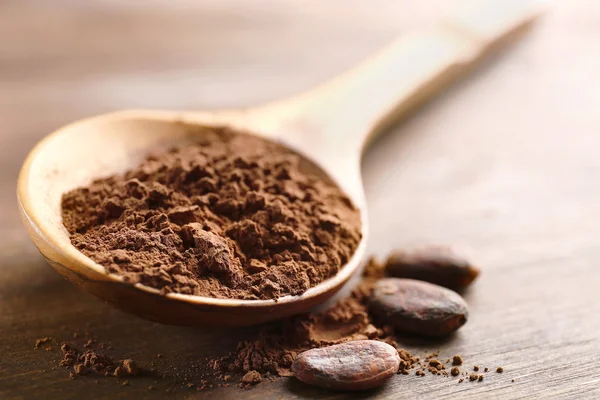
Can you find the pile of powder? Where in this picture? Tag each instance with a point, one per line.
(228, 216)
(271, 353)
(84, 362)
(277, 345)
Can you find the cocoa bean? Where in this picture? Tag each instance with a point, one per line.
(417, 307)
(356, 365)
(435, 264)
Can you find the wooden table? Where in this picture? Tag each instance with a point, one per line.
(506, 163)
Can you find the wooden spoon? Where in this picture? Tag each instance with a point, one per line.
(329, 126)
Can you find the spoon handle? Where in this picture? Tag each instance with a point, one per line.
(340, 117)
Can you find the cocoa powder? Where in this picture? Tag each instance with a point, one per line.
(43, 343)
(272, 352)
(90, 359)
(229, 216)
(278, 344)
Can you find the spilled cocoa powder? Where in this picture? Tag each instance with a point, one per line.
(43, 343)
(229, 216)
(271, 353)
(81, 362)
(277, 345)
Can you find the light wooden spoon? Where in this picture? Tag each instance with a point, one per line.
(328, 126)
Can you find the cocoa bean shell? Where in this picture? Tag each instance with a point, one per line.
(435, 264)
(355, 365)
(417, 307)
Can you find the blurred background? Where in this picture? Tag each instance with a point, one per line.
(506, 162)
(61, 60)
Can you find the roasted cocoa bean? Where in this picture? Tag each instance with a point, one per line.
(356, 365)
(417, 307)
(435, 264)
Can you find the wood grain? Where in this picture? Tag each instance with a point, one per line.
(505, 163)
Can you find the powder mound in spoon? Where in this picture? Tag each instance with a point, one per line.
(229, 216)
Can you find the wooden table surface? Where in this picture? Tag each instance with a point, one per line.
(505, 163)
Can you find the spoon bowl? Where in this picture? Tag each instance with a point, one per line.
(81, 152)
(328, 127)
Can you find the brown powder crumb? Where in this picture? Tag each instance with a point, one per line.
(480, 377)
(433, 370)
(512, 380)
(43, 341)
(120, 372)
(159, 355)
(81, 369)
(473, 377)
(217, 218)
(252, 377)
(436, 364)
(204, 385)
(85, 362)
(125, 383)
(461, 380)
(150, 387)
(371, 332)
(499, 370)
(475, 368)
(71, 375)
(457, 360)
(131, 367)
(97, 361)
(485, 369)
(455, 371)
(407, 360)
(69, 355)
(89, 343)
(420, 373)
